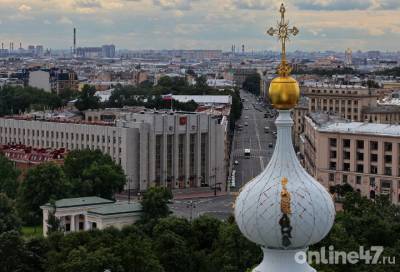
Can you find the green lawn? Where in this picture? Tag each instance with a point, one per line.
(32, 232)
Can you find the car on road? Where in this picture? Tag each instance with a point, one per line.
(266, 130)
(246, 117)
(236, 162)
(247, 153)
(246, 124)
(270, 145)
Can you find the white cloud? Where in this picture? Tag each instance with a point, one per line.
(24, 8)
(65, 21)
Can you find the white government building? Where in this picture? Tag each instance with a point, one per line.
(172, 149)
(90, 213)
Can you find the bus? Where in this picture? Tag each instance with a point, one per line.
(247, 153)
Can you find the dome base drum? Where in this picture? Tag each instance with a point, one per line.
(284, 261)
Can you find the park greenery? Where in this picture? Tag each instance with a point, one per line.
(162, 242)
(252, 84)
(14, 100)
(84, 173)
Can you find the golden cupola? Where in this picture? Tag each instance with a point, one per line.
(284, 91)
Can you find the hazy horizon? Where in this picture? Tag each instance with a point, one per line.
(193, 24)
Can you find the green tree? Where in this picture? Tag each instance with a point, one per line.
(172, 251)
(8, 218)
(14, 100)
(233, 252)
(87, 99)
(137, 255)
(92, 173)
(12, 252)
(43, 183)
(155, 203)
(252, 83)
(8, 177)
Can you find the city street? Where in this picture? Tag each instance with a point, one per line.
(261, 145)
(253, 137)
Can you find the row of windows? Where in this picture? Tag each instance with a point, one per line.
(374, 145)
(336, 91)
(60, 135)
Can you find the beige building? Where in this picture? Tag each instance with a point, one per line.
(347, 102)
(364, 155)
(171, 149)
(352, 103)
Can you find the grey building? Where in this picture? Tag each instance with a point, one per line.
(174, 150)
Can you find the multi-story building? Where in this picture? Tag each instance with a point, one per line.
(345, 101)
(108, 51)
(299, 112)
(364, 155)
(175, 150)
(54, 80)
(358, 104)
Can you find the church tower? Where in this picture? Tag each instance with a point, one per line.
(284, 209)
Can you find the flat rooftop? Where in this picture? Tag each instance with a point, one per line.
(333, 124)
(79, 202)
(117, 208)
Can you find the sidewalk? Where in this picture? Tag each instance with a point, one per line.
(191, 195)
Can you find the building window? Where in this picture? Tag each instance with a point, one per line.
(374, 169)
(360, 156)
(358, 180)
(346, 143)
(332, 165)
(346, 155)
(170, 143)
(346, 167)
(388, 171)
(204, 148)
(344, 179)
(388, 147)
(360, 144)
(360, 168)
(331, 177)
(158, 157)
(192, 168)
(388, 159)
(333, 155)
(372, 181)
(332, 142)
(374, 157)
(181, 156)
(374, 145)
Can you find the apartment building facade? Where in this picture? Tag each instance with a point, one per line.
(174, 150)
(364, 155)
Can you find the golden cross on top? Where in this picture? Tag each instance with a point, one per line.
(283, 32)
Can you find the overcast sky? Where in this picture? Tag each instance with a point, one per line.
(209, 24)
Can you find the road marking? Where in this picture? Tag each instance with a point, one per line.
(258, 140)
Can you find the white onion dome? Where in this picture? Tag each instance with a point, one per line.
(284, 207)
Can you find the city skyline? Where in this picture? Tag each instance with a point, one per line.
(185, 24)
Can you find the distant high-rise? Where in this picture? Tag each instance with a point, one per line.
(108, 51)
(74, 48)
(348, 59)
(39, 50)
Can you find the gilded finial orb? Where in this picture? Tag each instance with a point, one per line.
(284, 91)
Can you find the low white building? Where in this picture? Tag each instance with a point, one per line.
(88, 213)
